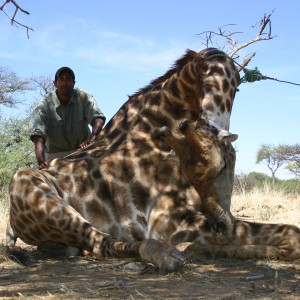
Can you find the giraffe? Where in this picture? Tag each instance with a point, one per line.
(204, 154)
(113, 197)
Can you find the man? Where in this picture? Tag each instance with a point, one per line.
(61, 120)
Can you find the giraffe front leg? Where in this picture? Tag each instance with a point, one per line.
(203, 163)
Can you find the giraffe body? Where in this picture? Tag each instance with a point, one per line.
(120, 196)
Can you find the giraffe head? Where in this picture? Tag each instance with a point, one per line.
(220, 81)
(207, 159)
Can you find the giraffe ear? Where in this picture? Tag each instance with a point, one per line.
(227, 136)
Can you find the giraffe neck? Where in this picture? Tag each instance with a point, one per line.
(200, 85)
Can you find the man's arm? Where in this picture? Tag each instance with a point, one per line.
(39, 144)
(97, 125)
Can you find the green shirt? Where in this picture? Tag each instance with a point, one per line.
(65, 127)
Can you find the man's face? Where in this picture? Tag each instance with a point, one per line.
(64, 84)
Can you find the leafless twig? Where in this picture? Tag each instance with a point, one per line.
(13, 18)
(264, 34)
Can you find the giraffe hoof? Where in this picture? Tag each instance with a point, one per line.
(173, 261)
(168, 259)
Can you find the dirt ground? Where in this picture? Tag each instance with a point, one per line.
(44, 277)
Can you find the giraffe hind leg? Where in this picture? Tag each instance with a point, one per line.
(45, 216)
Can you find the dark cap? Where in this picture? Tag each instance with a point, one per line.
(65, 69)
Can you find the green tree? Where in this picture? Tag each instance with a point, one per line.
(16, 150)
(273, 157)
(292, 156)
(294, 168)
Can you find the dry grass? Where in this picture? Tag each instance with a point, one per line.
(267, 205)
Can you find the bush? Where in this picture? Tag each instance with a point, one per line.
(244, 183)
(16, 150)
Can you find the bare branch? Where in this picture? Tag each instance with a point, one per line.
(11, 86)
(246, 62)
(43, 83)
(266, 20)
(13, 18)
(264, 34)
(211, 37)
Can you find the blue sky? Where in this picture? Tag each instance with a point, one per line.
(117, 47)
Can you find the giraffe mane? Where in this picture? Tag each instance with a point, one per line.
(177, 66)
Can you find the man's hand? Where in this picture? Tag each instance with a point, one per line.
(85, 143)
(97, 125)
(43, 165)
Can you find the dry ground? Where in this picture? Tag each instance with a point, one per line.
(42, 277)
(85, 278)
